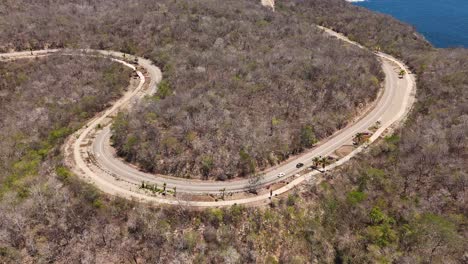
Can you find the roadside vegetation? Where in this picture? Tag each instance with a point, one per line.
(42, 101)
(243, 89)
(402, 202)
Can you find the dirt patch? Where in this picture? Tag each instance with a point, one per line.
(343, 151)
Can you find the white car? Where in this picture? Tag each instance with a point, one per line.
(281, 174)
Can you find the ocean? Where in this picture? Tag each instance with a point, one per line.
(443, 22)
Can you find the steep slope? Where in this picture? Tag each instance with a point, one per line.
(244, 88)
(362, 214)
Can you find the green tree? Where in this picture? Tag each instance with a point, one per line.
(164, 90)
(308, 138)
(355, 197)
(435, 235)
(381, 232)
(207, 165)
(316, 161)
(247, 163)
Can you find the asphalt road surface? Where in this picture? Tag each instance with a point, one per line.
(93, 159)
(388, 106)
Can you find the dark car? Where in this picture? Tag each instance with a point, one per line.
(299, 165)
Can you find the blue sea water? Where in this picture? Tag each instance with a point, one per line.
(443, 22)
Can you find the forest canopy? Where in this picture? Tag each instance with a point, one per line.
(42, 100)
(238, 78)
(402, 202)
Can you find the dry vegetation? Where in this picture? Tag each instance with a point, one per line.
(245, 113)
(403, 202)
(244, 88)
(43, 100)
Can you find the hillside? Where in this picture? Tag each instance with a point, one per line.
(43, 100)
(254, 117)
(402, 202)
(243, 89)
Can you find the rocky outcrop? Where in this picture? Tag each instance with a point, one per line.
(269, 3)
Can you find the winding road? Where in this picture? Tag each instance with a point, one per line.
(89, 154)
